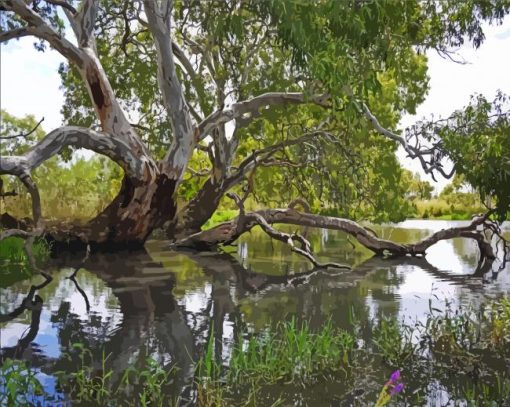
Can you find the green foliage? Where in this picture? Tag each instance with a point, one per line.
(18, 384)
(353, 50)
(86, 386)
(478, 140)
(10, 126)
(220, 217)
(459, 343)
(14, 264)
(260, 46)
(457, 201)
(450, 207)
(500, 322)
(415, 187)
(76, 189)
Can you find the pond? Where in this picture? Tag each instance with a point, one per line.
(167, 304)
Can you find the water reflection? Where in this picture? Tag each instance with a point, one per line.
(166, 304)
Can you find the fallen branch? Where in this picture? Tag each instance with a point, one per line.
(245, 221)
(228, 232)
(290, 239)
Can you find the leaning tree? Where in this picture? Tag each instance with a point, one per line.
(207, 99)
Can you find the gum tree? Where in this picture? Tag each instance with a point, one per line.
(235, 95)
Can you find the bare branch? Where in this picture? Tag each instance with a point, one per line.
(290, 239)
(79, 137)
(25, 135)
(412, 151)
(8, 193)
(26, 179)
(228, 232)
(85, 20)
(14, 233)
(109, 112)
(41, 29)
(159, 21)
(202, 173)
(63, 4)
(183, 59)
(195, 79)
(247, 110)
(16, 33)
(264, 155)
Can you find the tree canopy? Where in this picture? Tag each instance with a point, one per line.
(274, 99)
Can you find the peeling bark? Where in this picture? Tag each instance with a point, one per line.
(197, 211)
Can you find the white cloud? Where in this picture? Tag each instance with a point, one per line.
(29, 82)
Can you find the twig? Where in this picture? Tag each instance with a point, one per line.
(25, 135)
(62, 4)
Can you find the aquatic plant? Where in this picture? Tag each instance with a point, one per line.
(272, 365)
(86, 384)
(291, 352)
(484, 394)
(499, 315)
(150, 382)
(394, 341)
(141, 386)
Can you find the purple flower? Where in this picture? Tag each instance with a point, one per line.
(395, 376)
(397, 389)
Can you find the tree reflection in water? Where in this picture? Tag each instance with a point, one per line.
(155, 323)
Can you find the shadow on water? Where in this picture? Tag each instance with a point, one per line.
(166, 305)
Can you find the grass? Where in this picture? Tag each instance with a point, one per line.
(14, 265)
(291, 353)
(453, 343)
(440, 209)
(143, 386)
(394, 341)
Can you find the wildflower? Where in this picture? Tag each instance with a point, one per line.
(395, 376)
(393, 386)
(397, 389)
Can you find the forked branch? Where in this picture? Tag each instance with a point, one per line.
(247, 110)
(39, 28)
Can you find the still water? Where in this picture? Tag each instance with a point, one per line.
(165, 304)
